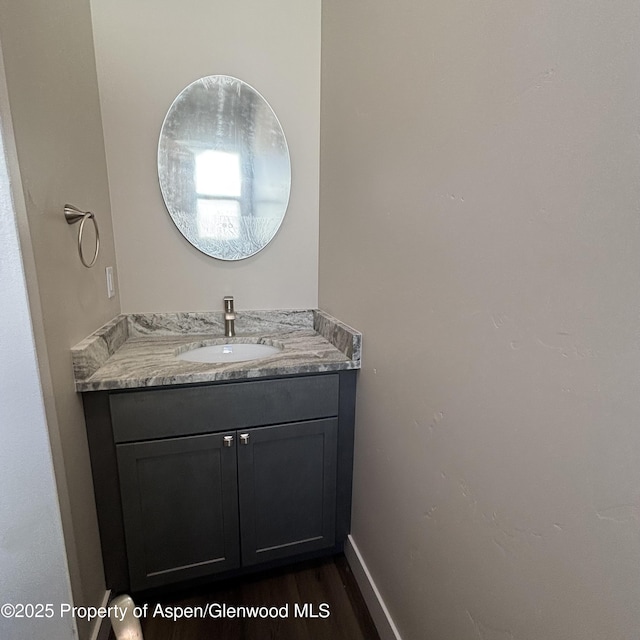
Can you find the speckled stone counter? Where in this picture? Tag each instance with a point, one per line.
(139, 350)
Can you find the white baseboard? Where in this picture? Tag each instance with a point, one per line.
(97, 625)
(377, 608)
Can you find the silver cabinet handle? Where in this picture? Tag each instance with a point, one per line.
(228, 441)
(244, 438)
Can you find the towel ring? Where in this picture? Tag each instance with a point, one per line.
(73, 215)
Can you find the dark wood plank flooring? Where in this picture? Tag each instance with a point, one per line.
(320, 581)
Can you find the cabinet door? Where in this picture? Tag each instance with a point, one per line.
(179, 501)
(287, 489)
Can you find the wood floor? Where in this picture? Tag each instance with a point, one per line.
(327, 581)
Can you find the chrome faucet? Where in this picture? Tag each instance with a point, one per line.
(229, 317)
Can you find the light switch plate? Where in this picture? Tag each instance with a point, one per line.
(111, 287)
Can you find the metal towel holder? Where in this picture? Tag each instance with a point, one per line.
(72, 215)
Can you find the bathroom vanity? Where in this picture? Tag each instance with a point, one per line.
(210, 469)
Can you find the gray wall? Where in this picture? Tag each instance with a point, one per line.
(146, 54)
(479, 223)
(32, 554)
(53, 96)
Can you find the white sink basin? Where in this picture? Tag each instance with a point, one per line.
(231, 352)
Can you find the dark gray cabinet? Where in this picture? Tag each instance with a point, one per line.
(222, 478)
(179, 502)
(287, 489)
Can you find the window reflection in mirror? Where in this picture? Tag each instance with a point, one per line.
(219, 192)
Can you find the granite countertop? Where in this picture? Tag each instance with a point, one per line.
(139, 350)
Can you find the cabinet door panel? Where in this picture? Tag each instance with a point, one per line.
(179, 498)
(287, 489)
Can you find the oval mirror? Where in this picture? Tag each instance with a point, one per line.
(224, 167)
